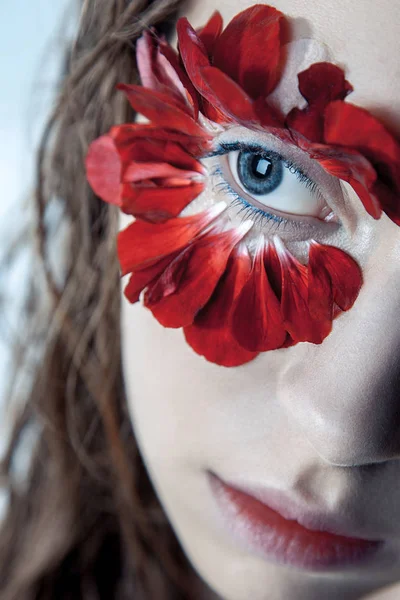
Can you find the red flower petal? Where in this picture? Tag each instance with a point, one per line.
(161, 151)
(158, 204)
(349, 125)
(129, 133)
(173, 58)
(140, 171)
(249, 49)
(156, 72)
(344, 272)
(227, 96)
(142, 278)
(323, 83)
(256, 319)
(320, 84)
(210, 335)
(320, 294)
(193, 54)
(161, 110)
(103, 169)
(273, 268)
(142, 244)
(350, 166)
(198, 277)
(215, 314)
(294, 302)
(211, 31)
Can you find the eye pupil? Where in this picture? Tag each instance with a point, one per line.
(261, 167)
(259, 174)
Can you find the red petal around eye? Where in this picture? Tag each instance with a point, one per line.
(320, 295)
(350, 166)
(103, 169)
(308, 122)
(349, 125)
(129, 133)
(322, 83)
(256, 320)
(273, 268)
(142, 244)
(202, 270)
(344, 272)
(211, 31)
(162, 151)
(227, 96)
(139, 171)
(294, 302)
(142, 278)
(249, 49)
(215, 314)
(173, 58)
(159, 203)
(210, 335)
(193, 53)
(161, 109)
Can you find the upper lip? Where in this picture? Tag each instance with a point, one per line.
(284, 503)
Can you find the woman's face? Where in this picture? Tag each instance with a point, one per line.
(316, 426)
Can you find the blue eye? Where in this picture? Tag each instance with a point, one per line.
(259, 173)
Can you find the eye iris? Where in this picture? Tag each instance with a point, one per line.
(258, 173)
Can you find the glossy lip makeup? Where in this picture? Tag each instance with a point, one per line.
(317, 543)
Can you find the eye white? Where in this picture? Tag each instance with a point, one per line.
(290, 196)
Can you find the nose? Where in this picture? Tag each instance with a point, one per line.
(345, 393)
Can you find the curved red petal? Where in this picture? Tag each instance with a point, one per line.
(161, 109)
(308, 122)
(249, 49)
(344, 272)
(215, 315)
(161, 151)
(217, 346)
(140, 171)
(158, 203)
(256, 318)
(294, 302)
(211, 31)
(323, 83)
(227, 96)
(129, 133)
(349, 125)
(320, 293)
(350, 166)
(142, 244)
(173, 58)
(141, 278)
(203, 268)
(210, 335)
(273, 268)
(193, 54)
(103, 169)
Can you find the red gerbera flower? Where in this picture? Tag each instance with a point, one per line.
(197, 271)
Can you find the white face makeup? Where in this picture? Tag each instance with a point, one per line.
(319, 424)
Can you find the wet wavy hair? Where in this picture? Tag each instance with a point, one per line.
(86, 523)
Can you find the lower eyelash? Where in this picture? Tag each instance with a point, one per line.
(247, 210)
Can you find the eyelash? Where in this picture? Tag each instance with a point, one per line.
(258, 215)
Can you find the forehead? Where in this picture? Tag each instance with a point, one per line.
(363, 36)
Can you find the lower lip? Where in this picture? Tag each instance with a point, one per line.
(265, 531)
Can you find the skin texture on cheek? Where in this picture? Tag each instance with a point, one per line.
(305, 418)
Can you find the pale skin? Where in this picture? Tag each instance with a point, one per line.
(321, 420)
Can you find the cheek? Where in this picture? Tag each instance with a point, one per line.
(187, 410)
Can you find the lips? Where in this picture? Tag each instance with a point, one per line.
(275, 528)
